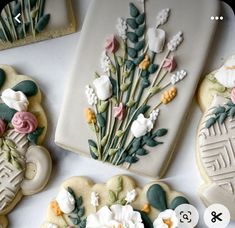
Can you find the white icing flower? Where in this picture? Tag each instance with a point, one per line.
(65, 201)
(226, 74)
(51, 225)
(15, 100)
(130, 196)
(156, 39)
(175, 41)
(103, 87)
(141, 126)
(162, 17)
(92, 99)
(166, 219)
(122, 28)
(154, 114)
(115, 217)
(105, 62)
(94, 199)
(178, 76)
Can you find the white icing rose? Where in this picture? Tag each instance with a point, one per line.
(116, 216)
(66, 201)
(156, 39)
(130, 196)
(141, 126)
(166, 219)
(15, 100)
(226, 74)
(103, 87)
(95, 199)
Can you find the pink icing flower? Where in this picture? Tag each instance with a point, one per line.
(119, 111)
(170, 64)
(2, 127)
(111, 44)
(233, 95)
(24, 122)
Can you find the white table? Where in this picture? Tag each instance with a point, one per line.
(49, 62)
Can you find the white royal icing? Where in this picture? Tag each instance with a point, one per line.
(156, 39)
(176, 40)
(15, 100)
(95, 199)
(130, 196)
(66, 201)
(166, 215)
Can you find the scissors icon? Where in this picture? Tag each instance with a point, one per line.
(215, 216)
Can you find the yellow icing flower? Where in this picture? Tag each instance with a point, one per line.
(145, 63)
(90, 116)
(146, 208)
(169, 95)
(56, 209)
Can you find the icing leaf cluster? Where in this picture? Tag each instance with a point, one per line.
(120, 116)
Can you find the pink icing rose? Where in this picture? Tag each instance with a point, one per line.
(233, 95)
(170, 64)
(24, 122)
(119, 111)
(2, 127)
(111, 44)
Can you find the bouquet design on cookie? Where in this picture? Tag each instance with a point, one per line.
(126, 97)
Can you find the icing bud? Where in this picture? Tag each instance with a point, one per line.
(141, 126)
(175, 41)
(169, 64)
(65, 201)
(15, 100)
(162, 17)
(94, 199)
(103, 87)
(111, 44)
(156, 39)
(119, 111)
(130, 196)
(2, 127)
(24, 122)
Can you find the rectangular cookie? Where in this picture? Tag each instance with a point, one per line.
(73, 132)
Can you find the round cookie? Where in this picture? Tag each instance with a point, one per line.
(215, 137)
(80, 200)
(25, 166)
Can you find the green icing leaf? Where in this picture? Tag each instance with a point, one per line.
(132, 23)
(101, 120)
(102, 107)
(152, 142)
(230, 103)
(2, 77)
(145, 83)
(219, 110)
(33, 137)
(140, 31)
(178, 201)
(156, 196)
(210, 122)
(144, 74)
(132, 37)
(42, 23)
(138, 60)
(141, 152)
(6, 113)
(124, 87)
(131, 159)
(145, 219)
(28, 87)
(232, 112)
(134, 12)
(140, 19)
(222, 118)
(112, 197)
(153, 68)
(93, 149)
(130, 65)
(143, 110)
(160, 132)
(132, 52)
(139, 46)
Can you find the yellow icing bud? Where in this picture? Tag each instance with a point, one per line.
(146, 208)
(56, 209)
(169, 95)
(90, 116)
(145, 63)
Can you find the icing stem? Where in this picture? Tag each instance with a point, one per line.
(63, 218)
(11, 21)
(117, 75)
(163, 76)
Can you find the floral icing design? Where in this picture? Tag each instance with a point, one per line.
(91, 96)
(131, 196)
(111, 44)
(170, 64)
(162, 17)
(2, 127)
(15, 100)
(166, 219)
(156, 39)
(105, 62)
(115, 216)
(119, 111)
(233, 95)
(24, 122)
(122, 28)
(175, 41)
(95, 199)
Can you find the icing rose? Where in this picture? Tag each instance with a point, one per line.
(65, 201)
(156, 39)
(94, 199)
(111, 44)
(226, 74)
(115, 216)
(130, 196)
(166, 219)
(24, 122)
(15, 100)
(169, 64)
(119, 111)
(141, 126)
(103, 87)
(2, 127)
(233, 95)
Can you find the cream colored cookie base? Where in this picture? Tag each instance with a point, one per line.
(83, 186)
(72, 130)
(62, 22)
(3, 221)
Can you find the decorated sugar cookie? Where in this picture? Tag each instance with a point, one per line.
(25, 165)
(118, 203)
(215, 142)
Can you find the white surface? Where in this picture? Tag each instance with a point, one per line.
(48, 62)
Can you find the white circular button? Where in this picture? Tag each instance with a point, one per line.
(187, 216)
(217, 216)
